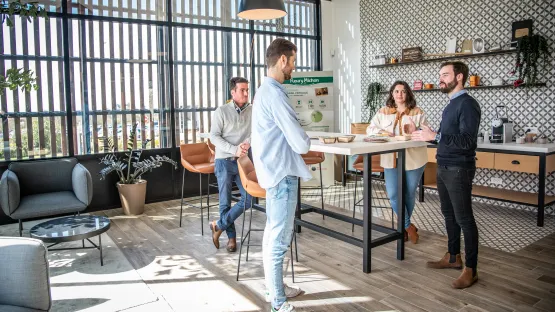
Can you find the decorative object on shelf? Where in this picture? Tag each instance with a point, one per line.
(466, 46)
(411, 54)
(474, 80)
(478, 46)
(531, 49)
(393, 60)
(428, 86)
(521, 29)
(379, 59)
(373, 99)
(440, 57)
(131, 187)
(497, 82)
(417, 85)
(451, 47)
(261, 10)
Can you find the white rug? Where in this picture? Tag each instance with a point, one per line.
(79, 283)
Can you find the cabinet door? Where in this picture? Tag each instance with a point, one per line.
(518, 163)
(432, 155)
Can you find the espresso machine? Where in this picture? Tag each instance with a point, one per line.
(501, 127)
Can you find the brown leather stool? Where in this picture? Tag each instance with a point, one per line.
(197, 158)
(251, 186)
(313, 158)
(375, 167)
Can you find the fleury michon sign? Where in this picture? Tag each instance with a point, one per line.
(308, 80)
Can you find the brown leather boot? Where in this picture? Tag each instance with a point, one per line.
(445, 264)
(215, 234)
(412, 233)
(231, 245)
(468, 277)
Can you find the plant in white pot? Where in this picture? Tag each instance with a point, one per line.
(129, 168)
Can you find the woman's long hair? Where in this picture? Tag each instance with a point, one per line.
(410, 102)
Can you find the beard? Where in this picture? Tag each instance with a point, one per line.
(448, 87)
(286, 73)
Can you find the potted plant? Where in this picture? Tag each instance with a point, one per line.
(372, 103)
(17, 77)
(531, 49)
(129, 167)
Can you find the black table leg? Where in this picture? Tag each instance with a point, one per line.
(541, 190)
(367, 215)
(344, 171)
(100, 248)
(421, 189)
(401, 204)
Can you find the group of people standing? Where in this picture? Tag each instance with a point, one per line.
(270, 129)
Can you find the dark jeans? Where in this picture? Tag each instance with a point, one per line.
(227, 172)
(454, 185)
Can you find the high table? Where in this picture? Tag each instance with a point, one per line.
(359, 147)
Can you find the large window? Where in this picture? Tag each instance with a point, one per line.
(143, 62)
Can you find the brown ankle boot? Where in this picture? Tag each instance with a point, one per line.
(232, 245)
(215, 234)
(412, 233)
(468, 277)
(445, 264)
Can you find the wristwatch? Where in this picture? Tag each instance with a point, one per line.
(438, 137)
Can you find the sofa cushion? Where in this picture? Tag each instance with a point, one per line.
(40, 205)
(44, 176)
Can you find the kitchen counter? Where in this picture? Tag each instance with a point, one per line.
(515, 147)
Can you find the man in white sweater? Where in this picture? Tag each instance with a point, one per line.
(230, 133)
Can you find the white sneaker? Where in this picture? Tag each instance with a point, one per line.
(290, 292)
(285, 307)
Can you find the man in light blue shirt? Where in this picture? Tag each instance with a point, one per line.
(277, 144)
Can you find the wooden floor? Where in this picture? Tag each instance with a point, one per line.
(329, 271)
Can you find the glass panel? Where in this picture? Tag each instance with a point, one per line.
(33, 124)
(119, 83)
(151, 10)
(300, 19)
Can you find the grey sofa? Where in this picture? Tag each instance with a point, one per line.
(24, 274)
(40, 188)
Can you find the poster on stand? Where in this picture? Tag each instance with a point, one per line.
(311, 95)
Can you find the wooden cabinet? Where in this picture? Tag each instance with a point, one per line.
(485, 160)
(518, 163)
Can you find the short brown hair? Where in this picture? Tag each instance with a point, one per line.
(277, 48)
(458, 68)
(235, 80)
(410, 102)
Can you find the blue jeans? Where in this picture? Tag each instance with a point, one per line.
(411, 183)
(227, 172)
(281, 202)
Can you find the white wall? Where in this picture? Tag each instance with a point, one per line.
(341, 53)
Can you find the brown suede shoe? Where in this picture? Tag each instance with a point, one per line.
(412, 233)
(231, 245)
(215, 234)
(445, 264)
(466, 279)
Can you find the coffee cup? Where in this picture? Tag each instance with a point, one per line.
(542, 140)
(520, 140)
(530, 137)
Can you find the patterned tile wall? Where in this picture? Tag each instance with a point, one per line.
(389, 26)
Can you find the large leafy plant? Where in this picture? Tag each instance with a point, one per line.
(16, 77)
(531, 49)
(373, 99)
(129, 167)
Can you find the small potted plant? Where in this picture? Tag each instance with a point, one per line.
(372, 103)
(129, 168)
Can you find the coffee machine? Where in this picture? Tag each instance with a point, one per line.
(501, 127)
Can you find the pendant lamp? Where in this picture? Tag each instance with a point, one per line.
(261, 9)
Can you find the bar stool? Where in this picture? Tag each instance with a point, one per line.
(197, 158)
(251, 186)
(358, 164)
(313, 158)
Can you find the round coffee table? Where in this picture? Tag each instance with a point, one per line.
(68, 229)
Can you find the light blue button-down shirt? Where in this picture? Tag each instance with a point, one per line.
(277, 138)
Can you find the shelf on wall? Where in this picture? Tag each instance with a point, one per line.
(447, 58)
(480, 87)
